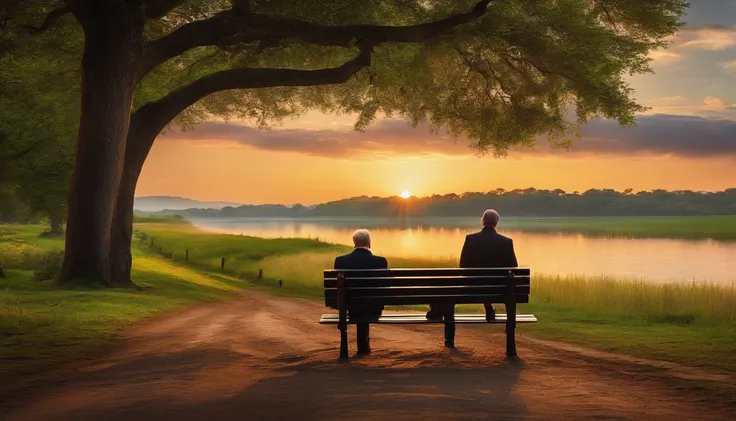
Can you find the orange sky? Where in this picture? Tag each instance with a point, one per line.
(218, 170)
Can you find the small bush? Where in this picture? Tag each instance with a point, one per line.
(49, 265)
(16, 255)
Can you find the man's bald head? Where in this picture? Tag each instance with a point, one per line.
(490, 218)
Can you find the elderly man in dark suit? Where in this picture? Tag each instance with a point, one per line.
(362, 258)
(484, 249)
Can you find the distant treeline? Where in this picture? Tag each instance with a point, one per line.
(527, 202)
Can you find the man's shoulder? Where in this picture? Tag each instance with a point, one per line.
(473, 235)
(505, 238)
(341, 261)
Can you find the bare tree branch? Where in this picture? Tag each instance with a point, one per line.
(234, 26)
(51, 19)
(247, 78)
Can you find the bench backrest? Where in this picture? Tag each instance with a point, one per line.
(427, 286)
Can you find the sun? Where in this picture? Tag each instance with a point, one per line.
(405, 194)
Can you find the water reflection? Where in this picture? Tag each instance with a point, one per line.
(658, 259)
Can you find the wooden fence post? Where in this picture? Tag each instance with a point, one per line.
(151, 242)
(186, 255)
(281, 283)
(222, 264)
(260, 273)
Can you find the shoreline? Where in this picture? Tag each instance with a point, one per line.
(721, 228)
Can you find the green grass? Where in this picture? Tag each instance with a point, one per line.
(206, 250)
(143, 217)
(690, 227)
(42, 326)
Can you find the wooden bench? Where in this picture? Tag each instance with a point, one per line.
(390, 287)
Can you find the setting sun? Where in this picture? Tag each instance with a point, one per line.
(405, 194)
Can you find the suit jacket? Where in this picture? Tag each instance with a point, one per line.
(361, 258)
(484, 249)
(488, 249)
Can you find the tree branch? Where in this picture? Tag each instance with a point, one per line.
(236, 26)
(151, 118)
(51, 19)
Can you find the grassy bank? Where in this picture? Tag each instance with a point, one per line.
(689, 227)
(42, 326)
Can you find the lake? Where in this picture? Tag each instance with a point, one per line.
(552, 253)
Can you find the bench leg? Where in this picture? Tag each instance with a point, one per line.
(342, 308)
(344, 341)
(510, 317)
(511, 330)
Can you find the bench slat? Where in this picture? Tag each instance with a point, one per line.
(383, 281)
(419, 318)
(425, 290)
(436, 272)
(428, 299)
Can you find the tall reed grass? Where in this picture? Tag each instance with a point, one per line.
(665, 302)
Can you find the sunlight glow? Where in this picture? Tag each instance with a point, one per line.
(405, 194)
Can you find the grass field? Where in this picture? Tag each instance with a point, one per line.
(42, 326)
(692, 227)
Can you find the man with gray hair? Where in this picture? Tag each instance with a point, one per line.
(484, 249)
(362, 258)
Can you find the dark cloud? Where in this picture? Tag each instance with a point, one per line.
(391, 136)
(684, 136)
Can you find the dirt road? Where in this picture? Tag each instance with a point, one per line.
(266, 358)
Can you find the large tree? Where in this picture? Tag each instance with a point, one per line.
(497, 73)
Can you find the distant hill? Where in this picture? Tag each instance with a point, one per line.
(159, 203)
(526, 202)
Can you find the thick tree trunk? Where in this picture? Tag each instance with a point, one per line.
(113, 46)
(121, 260)
(56, 220)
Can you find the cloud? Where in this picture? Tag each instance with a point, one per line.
(654, 135)
(658, 135)
(715, 103)
(729, 66)
(385, 138)
(710, 37)
(712, 107)
(665, 55)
